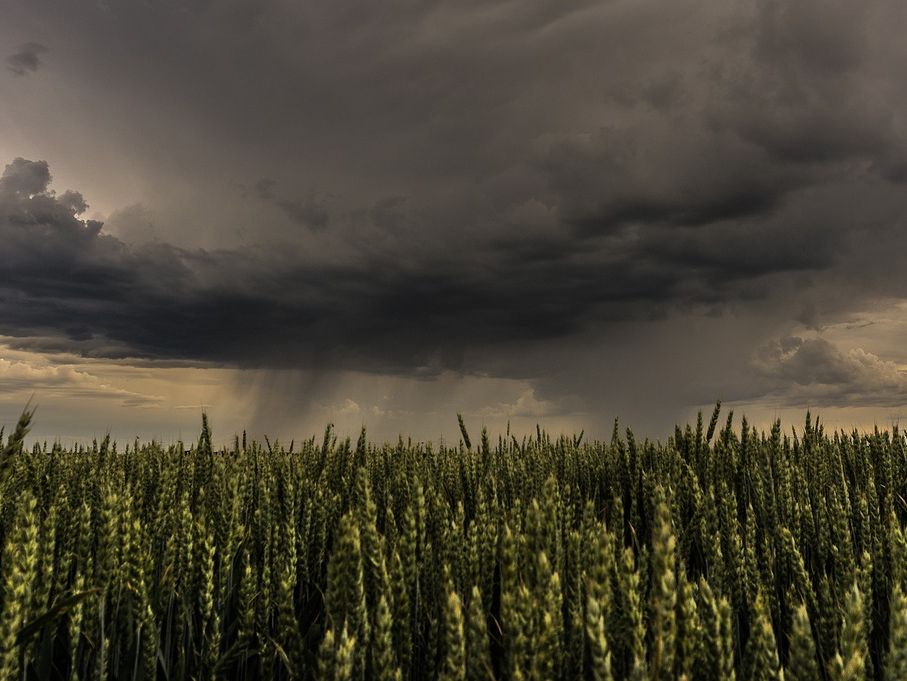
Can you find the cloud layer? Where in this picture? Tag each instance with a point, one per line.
(527, 190)
(69, 281)
(815, 371)
(23, 379)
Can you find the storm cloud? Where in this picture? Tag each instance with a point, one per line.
(65, 278)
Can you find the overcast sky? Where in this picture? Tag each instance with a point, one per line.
(384, 213)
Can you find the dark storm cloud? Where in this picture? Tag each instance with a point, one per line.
(27, 59)
(611, 178)
(792, 105)
(67, 279)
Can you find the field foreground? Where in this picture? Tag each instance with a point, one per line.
(724, 553)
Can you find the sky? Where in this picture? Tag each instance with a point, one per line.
(286, 214)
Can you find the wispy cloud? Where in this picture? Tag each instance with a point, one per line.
(26, 59)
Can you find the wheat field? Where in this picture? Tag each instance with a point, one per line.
(723, 553)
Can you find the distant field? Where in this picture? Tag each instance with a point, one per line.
(724, 553)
